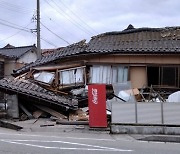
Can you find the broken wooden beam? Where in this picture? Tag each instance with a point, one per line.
(51, 111)
(72, 122)
(5, 124)
(26, 111)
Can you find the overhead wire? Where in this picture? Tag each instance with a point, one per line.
(55, 34)
(14, 34)
(14, 24)
(74, 14)
(74, 22)
(50, 43)
(72, 18)
(22, 29)
(14, 27)
(14, 8)
(60, 25)
(19, 9)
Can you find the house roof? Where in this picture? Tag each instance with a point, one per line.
(129, 41)
(9, 46)
(32, 90)
(15, 52)
(46, 52)
(74, 49)
(138, 41)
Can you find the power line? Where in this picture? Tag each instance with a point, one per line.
(48, 42)
(60, 25)
(73, 13)
(14, 34)
(26, 30)
(70, 19)
(15, 27)
(10, 36)
(45, 40)
(12, 7)
(15, 24)
(55, 34)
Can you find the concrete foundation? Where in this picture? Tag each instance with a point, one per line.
(140, 129)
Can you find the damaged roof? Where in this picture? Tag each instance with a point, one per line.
(129, 41)
(74, 49)
(15, 52)
(32, 90)
(138, 41)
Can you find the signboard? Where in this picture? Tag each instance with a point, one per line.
(97, 105)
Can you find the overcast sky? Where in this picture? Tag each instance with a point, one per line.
(65, 22)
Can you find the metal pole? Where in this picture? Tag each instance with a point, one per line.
(162, 113)
(38, 30)
(136, 115)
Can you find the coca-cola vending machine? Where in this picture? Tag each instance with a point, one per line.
(97, 105)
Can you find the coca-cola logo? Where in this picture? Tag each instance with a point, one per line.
(95, 96)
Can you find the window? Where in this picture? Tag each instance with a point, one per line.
(46, 77)
(165, 76)
(72, 76)
(122, 74)
(108, 74)
(169, 76)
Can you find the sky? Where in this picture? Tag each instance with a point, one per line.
(65, 22)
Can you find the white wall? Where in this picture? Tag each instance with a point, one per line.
(29, 57)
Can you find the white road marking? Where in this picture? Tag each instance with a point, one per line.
(94, 147)
(76, 138)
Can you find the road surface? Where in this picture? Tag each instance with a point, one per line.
(13, 142)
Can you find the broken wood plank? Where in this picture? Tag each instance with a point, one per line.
(37, 114)
(47, 125)
(5, 124)
(51, 68)
(72, 122)
(26, 111)
(52, 112)
(57, 91)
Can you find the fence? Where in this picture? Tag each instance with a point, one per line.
(166, 113)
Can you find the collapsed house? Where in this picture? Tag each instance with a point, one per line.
(148, 57)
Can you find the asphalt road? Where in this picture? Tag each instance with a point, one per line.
(13, 142)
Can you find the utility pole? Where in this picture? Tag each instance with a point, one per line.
(38, 30)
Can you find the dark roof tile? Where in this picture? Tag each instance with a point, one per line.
(33, 90)
(16, 52)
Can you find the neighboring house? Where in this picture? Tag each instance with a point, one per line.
(145, 56)
(16, 57)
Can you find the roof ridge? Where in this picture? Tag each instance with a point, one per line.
(18, 47)
(134, 30)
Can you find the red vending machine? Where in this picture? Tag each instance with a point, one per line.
(97, 105)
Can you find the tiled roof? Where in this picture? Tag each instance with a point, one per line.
(138, 41)
(70, 50)
(15, 52)
(129, 41)
(46, 52)
(33, 90)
